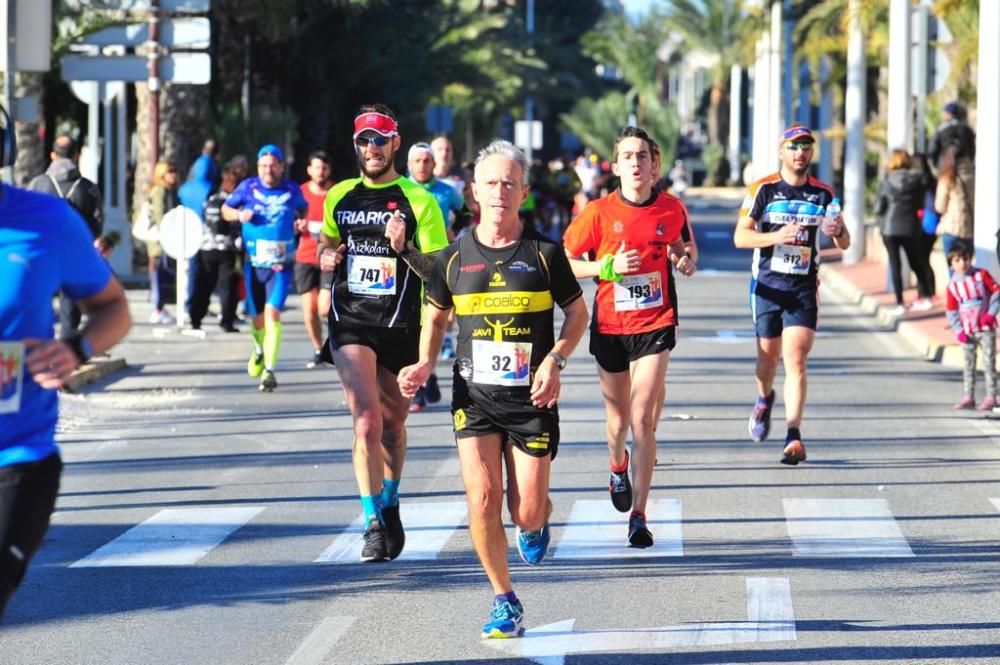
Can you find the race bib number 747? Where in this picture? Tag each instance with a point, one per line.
(11, 376)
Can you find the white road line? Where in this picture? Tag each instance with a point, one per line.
(769, 605)
(428, 526)
(595, 530)
(844, 528)
(996, 502)
(769, 612)
(320, 642)
(171, 537)
(451, 467)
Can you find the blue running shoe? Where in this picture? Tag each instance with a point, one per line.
(505, 621)
(532, 545)
(760, 419)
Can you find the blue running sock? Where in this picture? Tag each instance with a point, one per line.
(509, 597)
(793, 435)
(370, 504)
(390, 493)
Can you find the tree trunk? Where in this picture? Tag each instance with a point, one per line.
(183, 118)
(30, 147)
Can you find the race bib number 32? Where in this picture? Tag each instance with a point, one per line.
(11, 376)
(371, 275)
(639, 292)
(501, 363)
(791, 259)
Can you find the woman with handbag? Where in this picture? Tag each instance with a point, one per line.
(955, 198)
(162, 198)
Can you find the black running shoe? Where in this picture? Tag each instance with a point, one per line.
(374, 548)
(639, 536)
(395, 538)
(315, 361)
(620, 488)
(432, 391)
(267, 382)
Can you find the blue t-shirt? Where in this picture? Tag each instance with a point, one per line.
(449, 199)
(269, 238)
(45, 247)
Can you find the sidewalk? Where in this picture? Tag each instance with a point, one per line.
(864, 283)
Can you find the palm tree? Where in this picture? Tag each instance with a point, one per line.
(632, 50)
(726, 29)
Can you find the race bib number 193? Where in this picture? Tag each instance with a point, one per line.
(11, 376)
(639, 292)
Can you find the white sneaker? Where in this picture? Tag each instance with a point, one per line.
(922, 305)
(154, 316)
(166, 319)
(898, 310)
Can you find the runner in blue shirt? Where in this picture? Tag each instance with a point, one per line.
(45, 247)
(268, 207)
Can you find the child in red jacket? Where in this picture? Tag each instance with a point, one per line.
(973, 302)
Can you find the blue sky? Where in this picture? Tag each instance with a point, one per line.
(639, 7)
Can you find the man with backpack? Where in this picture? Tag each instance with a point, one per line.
(63, 179)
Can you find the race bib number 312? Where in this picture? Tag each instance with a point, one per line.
(791, 259)
(371, 275)
(11, 376)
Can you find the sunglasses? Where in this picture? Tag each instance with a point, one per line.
(798, 147)
(377, 141)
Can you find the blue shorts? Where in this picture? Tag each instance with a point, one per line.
(266, 286)
(774, 309)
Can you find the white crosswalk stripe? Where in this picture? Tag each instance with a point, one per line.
(844, 528)
(428, 526)
(595, 530)
(171, 537)
(320, 642)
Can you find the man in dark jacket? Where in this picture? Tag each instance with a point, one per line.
(63, 179)
(953, 131)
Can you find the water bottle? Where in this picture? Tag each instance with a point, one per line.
(830, 216)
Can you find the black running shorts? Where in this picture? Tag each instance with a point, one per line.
(776, 309)
(394, 348)
(308, 276)
(614, 352)
(507, 412)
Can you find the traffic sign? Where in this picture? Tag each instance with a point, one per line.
(180, 233)
(438, 119)
(174, 33)
(191, 6)
(34, 38)
(174, 68)
(526, 132)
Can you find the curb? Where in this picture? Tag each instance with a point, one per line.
(948, 355)
(96, 369)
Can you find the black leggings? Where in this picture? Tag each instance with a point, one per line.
(919, 263)
(27, 499)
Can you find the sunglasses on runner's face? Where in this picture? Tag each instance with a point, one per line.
(798, 147)
(377, 141)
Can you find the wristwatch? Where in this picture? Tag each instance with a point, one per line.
(559, 358)
(81, 347)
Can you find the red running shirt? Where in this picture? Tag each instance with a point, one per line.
(641, 302)
(309, 241)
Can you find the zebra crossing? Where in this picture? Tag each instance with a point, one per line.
(593, 529)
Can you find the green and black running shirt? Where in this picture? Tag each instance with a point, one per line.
(373, 286)
(503, 300)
